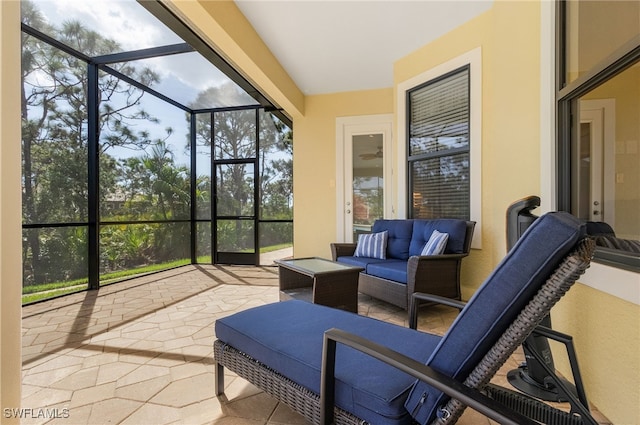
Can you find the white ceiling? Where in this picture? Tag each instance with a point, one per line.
(335, 46)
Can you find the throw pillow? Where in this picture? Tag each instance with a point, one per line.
(372, 245)
(436, 244)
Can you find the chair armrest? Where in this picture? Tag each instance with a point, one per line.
(469, 396)
(342, 249)
(421, 296)
(435, 274)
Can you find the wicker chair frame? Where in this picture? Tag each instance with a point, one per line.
(309, 404)
(433, 274)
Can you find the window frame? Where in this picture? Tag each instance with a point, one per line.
(473, 59)
(567, 97)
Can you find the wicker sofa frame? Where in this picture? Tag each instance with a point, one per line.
(435, 274)
(500, 404)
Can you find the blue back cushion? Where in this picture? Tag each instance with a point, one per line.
(422, 230)
(497, 303)
(398, 238)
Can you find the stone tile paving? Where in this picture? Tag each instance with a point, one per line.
(140, 352)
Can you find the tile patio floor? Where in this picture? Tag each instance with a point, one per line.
(140, 352)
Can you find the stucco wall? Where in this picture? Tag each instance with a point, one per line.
(607, 340)
(512, 145)
(510, 115)
(605, 327)
(314, 158)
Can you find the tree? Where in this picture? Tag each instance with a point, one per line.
(234, 136)
(54, 125)
(276, 172)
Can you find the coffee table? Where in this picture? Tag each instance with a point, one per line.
(319, 281)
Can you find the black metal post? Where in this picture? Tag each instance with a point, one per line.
(213, 188)
(327, 380)
(256, 193)
(93, 178)
(193, 228)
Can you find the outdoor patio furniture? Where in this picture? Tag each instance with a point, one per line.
(333, 366)
(319, 281)
(404, 269)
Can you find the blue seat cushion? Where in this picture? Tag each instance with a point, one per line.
(422, 230)
(496, 304)
(395, 270)
(398, 237)
(359, 261)
(288, 337)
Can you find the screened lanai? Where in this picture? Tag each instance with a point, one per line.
(142, 150)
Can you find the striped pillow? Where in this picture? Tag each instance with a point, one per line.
(436, 244)
(373, 245)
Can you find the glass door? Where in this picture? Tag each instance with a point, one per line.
(363, 170)
(590, 173)
(367, 189)
(596, 171)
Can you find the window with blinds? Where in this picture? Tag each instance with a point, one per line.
(438, 147)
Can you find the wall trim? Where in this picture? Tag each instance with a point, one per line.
(623, 284)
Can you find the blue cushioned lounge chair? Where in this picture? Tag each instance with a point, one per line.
(334, 366)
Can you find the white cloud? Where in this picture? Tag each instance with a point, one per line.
(124, 21)
(134, 28)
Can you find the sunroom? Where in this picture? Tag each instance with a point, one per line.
(534, 78)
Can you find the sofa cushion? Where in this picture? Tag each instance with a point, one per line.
(372, 245)
(395, 270)
(497, 303)
(359, 261)
(366, 387)
(436, 244)
(399, 236)
(422, 230)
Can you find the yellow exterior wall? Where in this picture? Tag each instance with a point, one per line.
(509, 35)
(606, 333)
(10, 211)
(314, 169)
(605, 328)
(510, 115)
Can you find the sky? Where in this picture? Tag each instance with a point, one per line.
(133, 28)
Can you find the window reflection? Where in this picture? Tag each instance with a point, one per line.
(587, 21)
(607, 168)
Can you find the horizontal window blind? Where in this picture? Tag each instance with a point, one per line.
(440, 187)
(439, 118)
(438, 142)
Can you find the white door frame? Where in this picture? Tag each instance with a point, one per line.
(602, 114)
(346, 128)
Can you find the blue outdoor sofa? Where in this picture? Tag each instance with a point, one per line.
(403, 270)
(396, 375)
